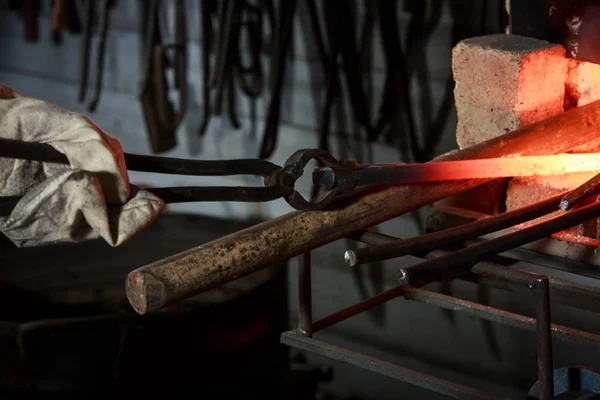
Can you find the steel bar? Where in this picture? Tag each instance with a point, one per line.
(492, 271)
(384, 368)
(136, 162)
(584, 191)
(357, 308)
(451, 303)
(504, 167)
(451, 236)
(305, 295)
(544, 338)
(500, 316)
(212, 264)
(487, 273)
(551, 252)
(563, 292)
(432, 270)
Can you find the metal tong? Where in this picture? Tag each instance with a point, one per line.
(333, 178)
(283, 41)
(88, 7)
(162, 120)
(279, 181)
(237, 20)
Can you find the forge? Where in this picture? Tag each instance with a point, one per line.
(504, 82)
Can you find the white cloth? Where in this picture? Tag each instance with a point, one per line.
(91, 198)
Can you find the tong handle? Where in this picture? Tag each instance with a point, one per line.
(45, 153)
(279, 181)
(31, 151)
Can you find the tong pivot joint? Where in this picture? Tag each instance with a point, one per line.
(294, 169)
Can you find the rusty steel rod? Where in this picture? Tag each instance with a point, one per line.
(397, 372)
(583, 192)
(440, 268)
(543, 321)
(450, 236)
(305, 295)
(215, 263)
(495, 275)
(485, 272)
(500, 316)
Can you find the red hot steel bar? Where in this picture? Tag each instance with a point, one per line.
(215, 263)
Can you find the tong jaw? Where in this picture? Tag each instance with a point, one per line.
(294, 169)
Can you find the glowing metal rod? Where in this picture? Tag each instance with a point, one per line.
(505, 167)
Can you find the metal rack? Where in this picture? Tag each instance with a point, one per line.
(485, 273)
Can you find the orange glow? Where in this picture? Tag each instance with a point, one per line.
(504, 167)
(582, 83)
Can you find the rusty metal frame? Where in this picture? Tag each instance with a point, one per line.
(486, 273)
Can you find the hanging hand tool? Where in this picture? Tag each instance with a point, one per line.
(329, 58)
(161, 139)
(228, 22)
(64, 15)
(86, 41)
(419, 32)
(208, 9)
(160, 116)
(342, 44)
(349, 52)
(58, 20)
(237, 19)
(31, 12)
(241, 17)
(222, 79)
(103, 18)
(223, 10)
(366, 44)
(250, 76)
(168, 117)
(395, 114)
(280, 52)
(317, 32)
